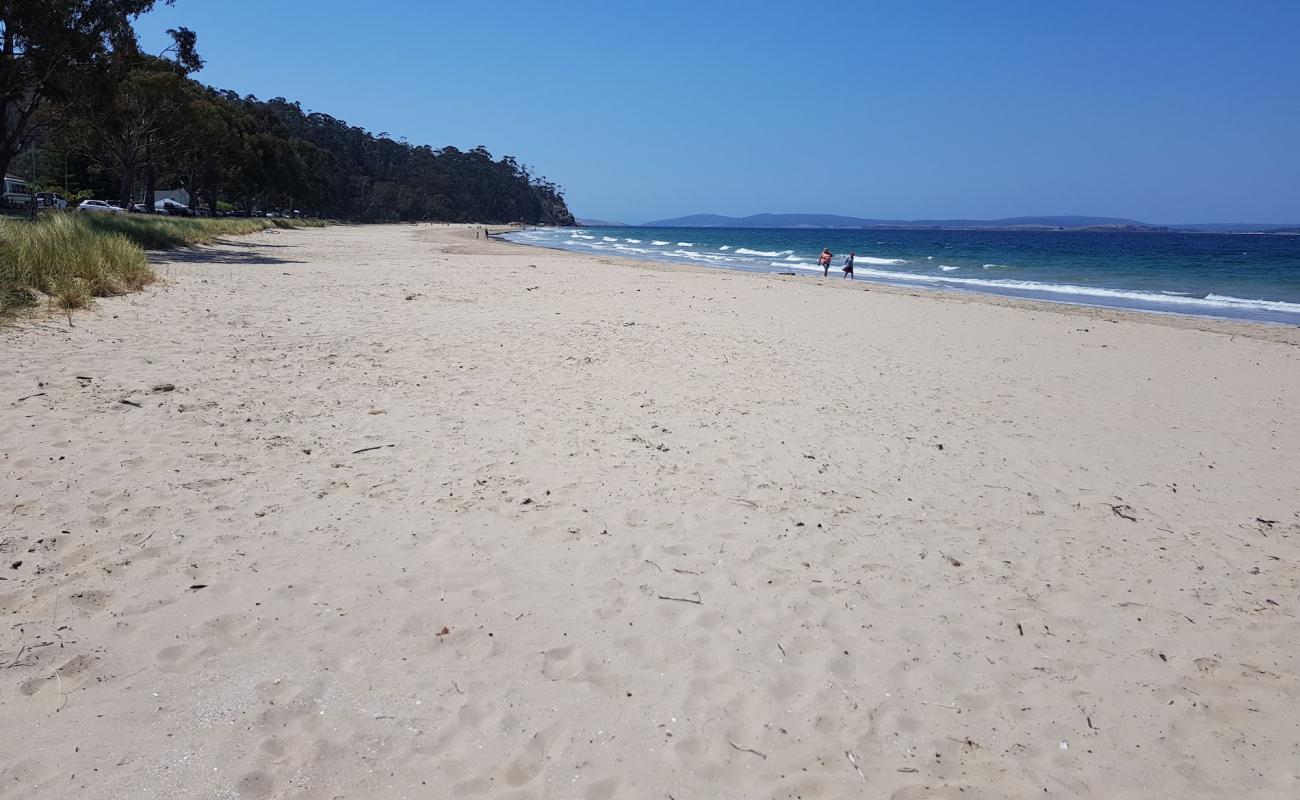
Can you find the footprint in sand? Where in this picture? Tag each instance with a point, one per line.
(91, 600)
(256, 786)
(171, 654)
(65, 673)
(562, 663)
(528, 764)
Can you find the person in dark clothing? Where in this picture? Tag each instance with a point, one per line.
(848, 266)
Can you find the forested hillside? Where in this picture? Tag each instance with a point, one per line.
(87, 113)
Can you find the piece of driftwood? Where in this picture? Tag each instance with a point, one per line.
(376, 447)
(747, 750)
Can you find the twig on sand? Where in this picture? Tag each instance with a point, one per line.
(30, 396)
(782, 649)
(749, 503)
(686, 571)
(940, 705)
(63, 696)
(653, 564)
(697, 601)
(126, 402)
(854, 761)
(747, 750)
(17, 658)
(1123, 511)
(376, 447)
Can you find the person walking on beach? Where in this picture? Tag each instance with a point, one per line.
(848, 266)
(826, 261)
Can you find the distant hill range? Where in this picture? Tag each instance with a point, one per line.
(1067, 222)
(600, 223)
(836, 221)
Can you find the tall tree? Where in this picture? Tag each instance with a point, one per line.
(133, 126)
(45, 45)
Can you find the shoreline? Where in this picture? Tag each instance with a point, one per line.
(1265, 330)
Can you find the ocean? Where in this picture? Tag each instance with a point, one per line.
(1233, 276)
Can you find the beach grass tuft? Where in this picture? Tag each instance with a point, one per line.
(67, 259)
(163, 233)
(73, 258)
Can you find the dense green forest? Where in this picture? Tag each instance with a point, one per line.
(87, 113)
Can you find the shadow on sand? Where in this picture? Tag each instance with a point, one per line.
(250, 255)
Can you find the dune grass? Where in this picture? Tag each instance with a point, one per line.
(72, 258)
(162, 233)
(67, 259)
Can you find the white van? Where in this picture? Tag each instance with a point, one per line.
(17, 193)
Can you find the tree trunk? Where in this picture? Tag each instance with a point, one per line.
(149, 190)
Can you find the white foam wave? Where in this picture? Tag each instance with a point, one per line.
(996, 266)
(1244, 303)
(880, 262)
(579, 236)
(947, 268)
(695, 255)
(658, 244)
(744, 251)
(686, 244)
(1209, 303)
(632, 241)
(725, 247)
(608, 239)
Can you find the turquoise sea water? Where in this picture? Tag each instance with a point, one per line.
(1235, 276)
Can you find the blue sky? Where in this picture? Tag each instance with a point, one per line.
(1163, 111)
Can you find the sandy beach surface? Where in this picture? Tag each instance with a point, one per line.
(394, 512)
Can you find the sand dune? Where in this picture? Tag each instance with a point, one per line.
(426, 516)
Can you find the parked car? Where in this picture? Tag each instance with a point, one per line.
(51, 200)
(139, 208)
(172, 208)
(99, 207)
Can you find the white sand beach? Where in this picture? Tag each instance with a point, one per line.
(427, 516)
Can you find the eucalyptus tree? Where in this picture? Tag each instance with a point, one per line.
(46, 49)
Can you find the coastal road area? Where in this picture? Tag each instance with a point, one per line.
(399, 512)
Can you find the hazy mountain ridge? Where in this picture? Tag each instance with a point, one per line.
(838, 221)
(1062, 222)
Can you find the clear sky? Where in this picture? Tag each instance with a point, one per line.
(1168, 111)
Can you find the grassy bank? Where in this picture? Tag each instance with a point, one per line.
(162, 233)
(72, 258)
